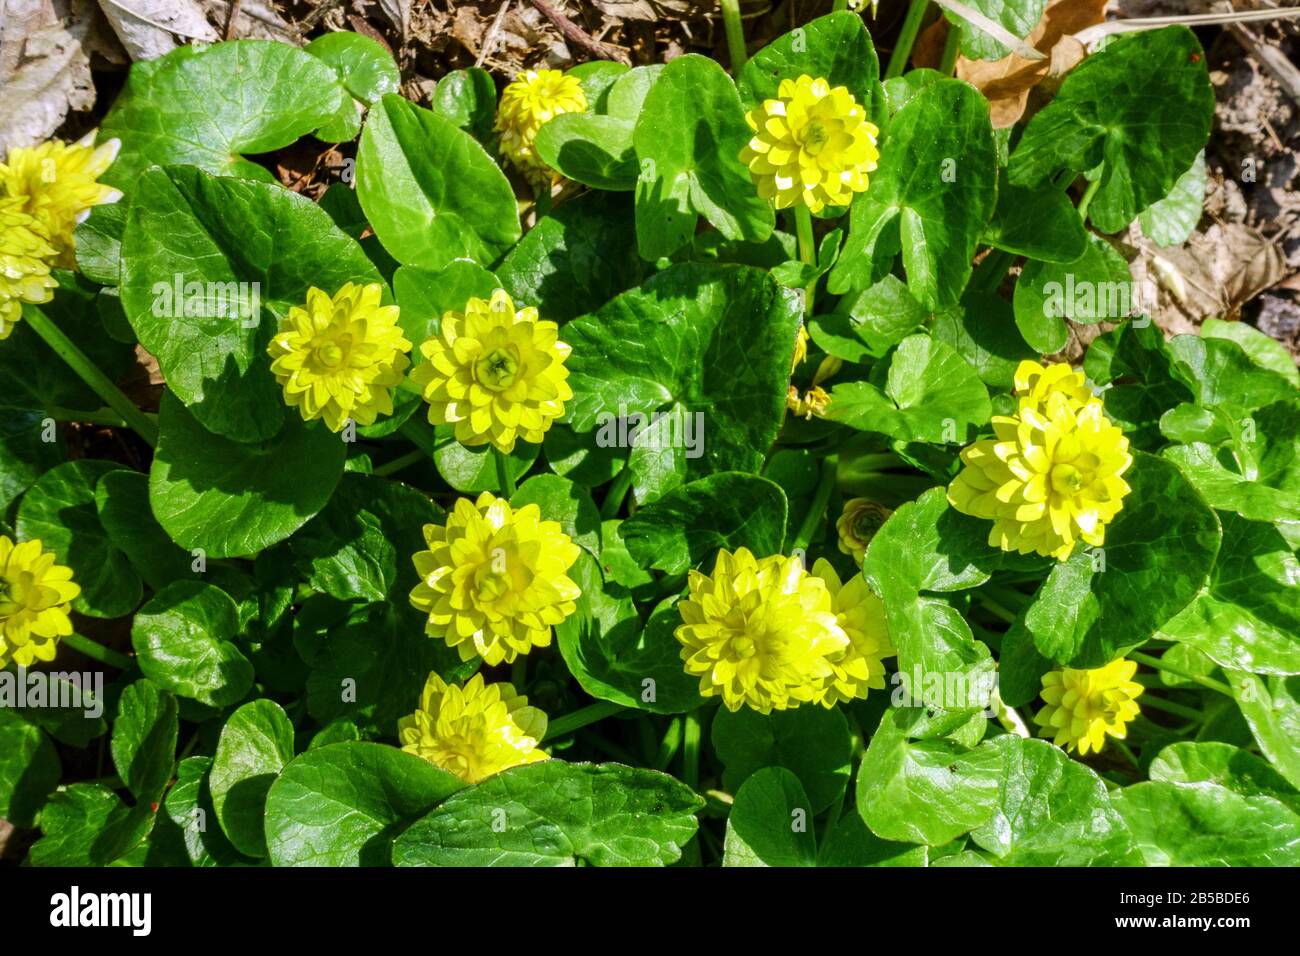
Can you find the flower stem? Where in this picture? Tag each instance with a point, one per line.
(1160, 665)
(617, 492)
(421, 435)
(906, 37)
(989, 273)
(839, 5)
(691, 733)
(735, 34)
(1088, 193)
(807, 251)
(821, 497)
(90, 374)
(98, 652)
(105, 416)
(590, 714)
(951, 47)
(1168, 706)
(669, 746)
(505, 480)
(397, 464)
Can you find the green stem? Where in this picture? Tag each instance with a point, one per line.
(735, 34)
(519, 672)
(397, 464)
(691, 733)
(1169, 707)
(989, 273)
(807, 251)
(617, 492)
(98, 652)
(951, 47)
(839, 5)
(590, 714)
(100, 383)
(997, 610)
(104, 416)
(1088, 193)
(505, 481)
(420, 434)
(821, 497)
(1159, 664)
(542, 202)
(906, 37)
(1124, 749)
(669, 746)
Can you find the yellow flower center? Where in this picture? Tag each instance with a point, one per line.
(333, 353)
(491, 584)
(498, 369)
(1067, 480)
(21, 592)
(814, 137)
(743, 647)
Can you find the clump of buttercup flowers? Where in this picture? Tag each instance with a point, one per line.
(45, 191)
(35, 596)
(813, 145)
(1051, 475)
(337, 357)
(535, 98)
(858, 524)
(473, 731)
(495, 372)
(1084, 707)
(494, 581)
(767, 634)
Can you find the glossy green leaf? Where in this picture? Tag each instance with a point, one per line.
(1158, 553)
(342, 804)
(710, 343)
(615, 658)
(256, 743)
(688, 140)
(1052, 811)
(87, 824)
(59, 509)
(1204, 824)
(1170, 221)
(359, 547)
(212, 107)
(1238, 770)
(209, 265)
(1096, 287)
(687, 526)
(576, 258)
(812, 743)
(1142, 106)
(770, 823)
(934, 192)
(1271, 706)
(29, 769)
(182, 640)
(1246, 616)
(925, 791)
(122, 500)
(144, 740)
(430, 191)
(555, 813)
(468, 100)
(837, 47)
(930, 394)
(232, 499)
